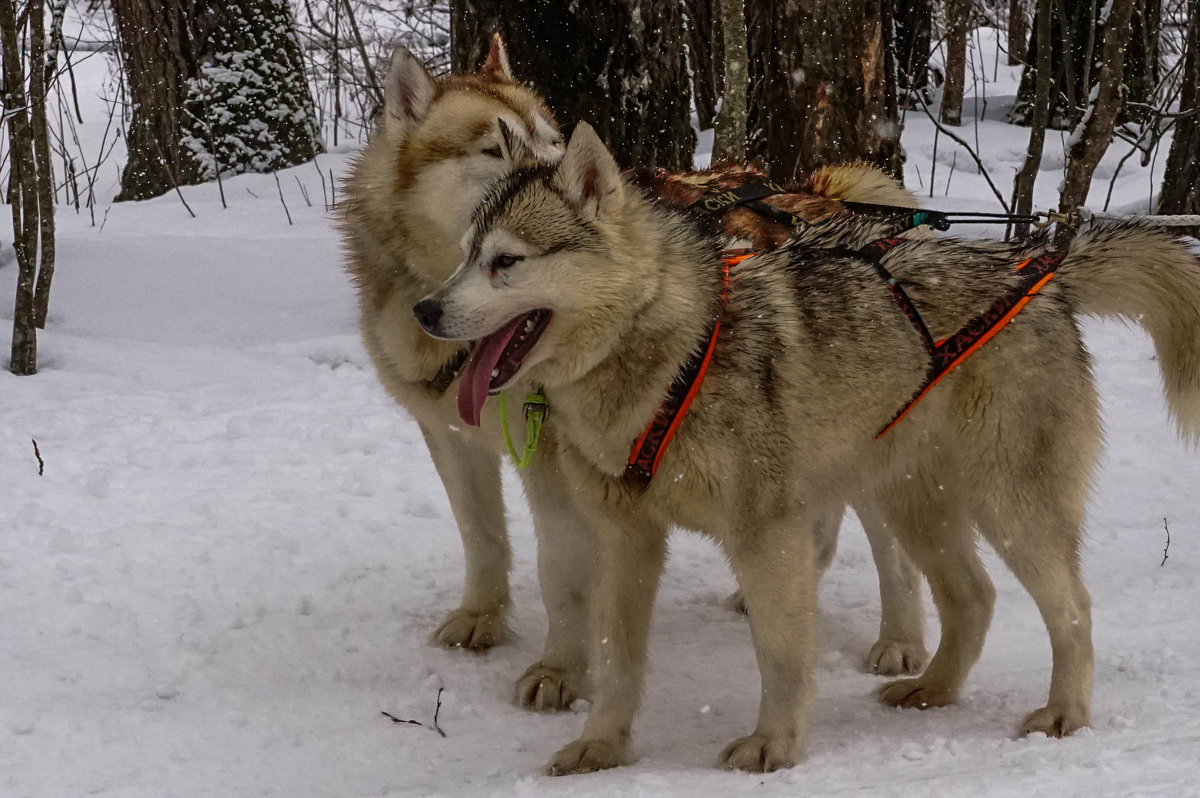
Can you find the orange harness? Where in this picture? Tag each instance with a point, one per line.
(944, 355)
(648, 449)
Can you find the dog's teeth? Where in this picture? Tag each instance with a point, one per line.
(495, 373)
(529, 326)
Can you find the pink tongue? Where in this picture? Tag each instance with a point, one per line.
(477, 374)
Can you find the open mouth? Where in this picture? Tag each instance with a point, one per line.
(495, 360)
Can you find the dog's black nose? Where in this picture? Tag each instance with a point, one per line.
(428, 313)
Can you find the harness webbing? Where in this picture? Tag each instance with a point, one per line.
(650, 446)
(1035, 273)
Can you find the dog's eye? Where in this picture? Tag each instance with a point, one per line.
(493, 151)
(502, 262)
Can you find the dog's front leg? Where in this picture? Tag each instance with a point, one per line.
(774, 565)
(471, 476)
(631, 552)
(566, 558)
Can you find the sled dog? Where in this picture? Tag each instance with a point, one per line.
(408, 202)
(574, 281)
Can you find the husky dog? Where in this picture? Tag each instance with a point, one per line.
(408, 203)
(813, 356)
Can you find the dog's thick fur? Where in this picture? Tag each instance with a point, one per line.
(813, 358)
(407, 204)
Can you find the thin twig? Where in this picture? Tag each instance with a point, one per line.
(303, 192)
(432, 727)
(280, 189)
(42, 467)
(970, 152)
(1168, 531)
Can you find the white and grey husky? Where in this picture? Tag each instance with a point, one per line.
(797, 358)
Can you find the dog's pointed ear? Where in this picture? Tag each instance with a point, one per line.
(408, 92)
(589, 176)
(516, 151)
(496, 66)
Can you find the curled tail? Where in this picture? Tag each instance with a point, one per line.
(1151, 278)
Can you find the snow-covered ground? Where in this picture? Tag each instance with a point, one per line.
(238, 547)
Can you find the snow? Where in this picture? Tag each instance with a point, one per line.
(232, 562)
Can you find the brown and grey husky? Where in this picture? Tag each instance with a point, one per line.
(408, 202)
(575, 281)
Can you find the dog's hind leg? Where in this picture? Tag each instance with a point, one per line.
(1029, 459)
(936, 533)
(1039, 542)
(566, 552)
(631, 553)
(776, 568)
(471, 476)
(901, 645)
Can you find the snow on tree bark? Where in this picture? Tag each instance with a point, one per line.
(217, 84)
(618, 65)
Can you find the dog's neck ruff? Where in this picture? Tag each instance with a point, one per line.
(650, 446)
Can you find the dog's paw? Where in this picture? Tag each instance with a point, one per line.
(916, 694)
(735, 601)
(757, 754)
(585, 756)
(544, 688)
(1054, 721)
(471, 629)
(896, 658)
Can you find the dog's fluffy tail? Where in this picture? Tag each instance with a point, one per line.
(1149, 277)
(859, 182)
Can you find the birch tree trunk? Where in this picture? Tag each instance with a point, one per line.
(26, 206)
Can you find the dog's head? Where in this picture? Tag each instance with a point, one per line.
(544, 287)
(452, 136)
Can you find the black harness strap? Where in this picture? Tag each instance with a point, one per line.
(873, 253)
(449, 370)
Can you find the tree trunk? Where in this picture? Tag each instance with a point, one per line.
(1092, 137)
(829, 96)
(1181, 182)
(729, 138)
(1072, 35)
(913, 20)
(1142, 68)
(39, 86)
(1017, 31)
(25, 208)
(705, 57)
(1022, 202)
(618, 65)
(205, 77)
(958, 15)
